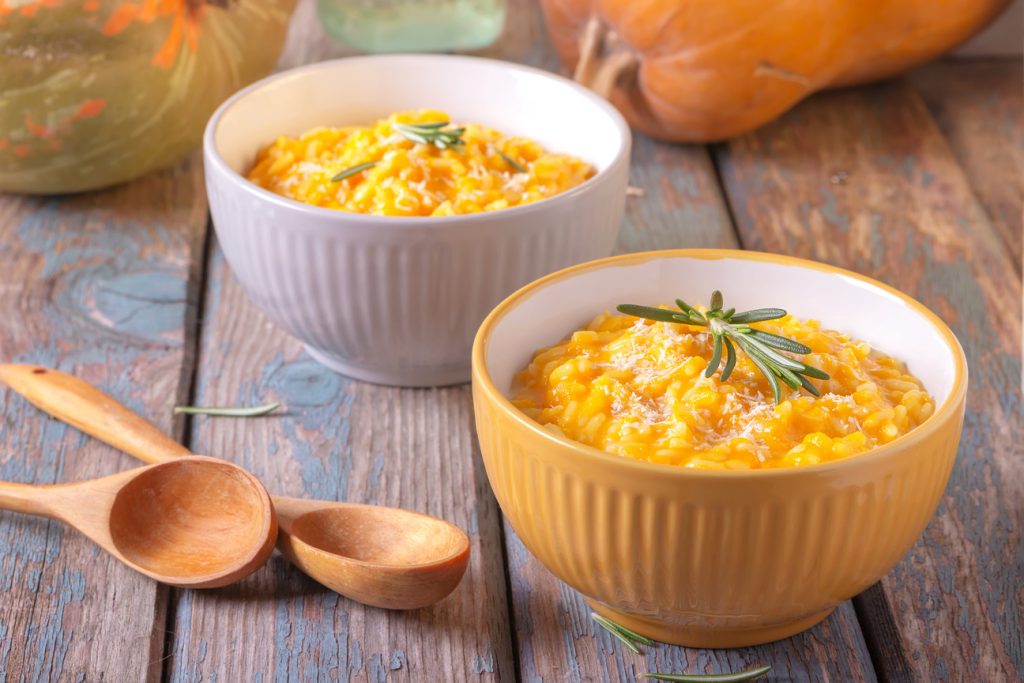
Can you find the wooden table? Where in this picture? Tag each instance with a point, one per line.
(915, 182)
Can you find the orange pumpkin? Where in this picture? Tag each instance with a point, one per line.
(704, 70)
(95, 92)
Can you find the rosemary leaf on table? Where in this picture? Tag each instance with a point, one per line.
(745, 675)
(631, 639)
(226, 411)
(624, 635)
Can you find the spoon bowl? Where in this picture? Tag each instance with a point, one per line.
(194, 523)
(385, 557)
(193, 517)
(380, 556)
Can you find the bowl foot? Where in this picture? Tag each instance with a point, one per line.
(395, 377)
(694, 636)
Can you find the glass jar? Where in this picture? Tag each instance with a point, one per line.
(413, 25)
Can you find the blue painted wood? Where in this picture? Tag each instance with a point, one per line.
(891, 202)
(95, 285)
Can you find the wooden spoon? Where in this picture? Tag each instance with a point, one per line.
(380, 556)
(194, 522)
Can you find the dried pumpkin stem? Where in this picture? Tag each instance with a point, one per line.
(590, 47)
(604, 59)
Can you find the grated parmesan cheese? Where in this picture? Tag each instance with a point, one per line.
(638, 388)
(434, 182)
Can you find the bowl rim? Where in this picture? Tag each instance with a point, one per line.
(482, 380)
(212, 155)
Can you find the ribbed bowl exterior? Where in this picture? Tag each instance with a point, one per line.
(711, 561)
(400, 304)
(710, 558)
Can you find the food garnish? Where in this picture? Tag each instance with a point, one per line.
(745, 675)
(639, 389)
(627, 637)
(222, 411)
(730, 329)
(512, 162)
(631, 639)
(353, 170)
(414, 163)
(434, 134)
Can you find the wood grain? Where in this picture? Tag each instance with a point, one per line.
(99, 285)
(979, 107)
(891, 201)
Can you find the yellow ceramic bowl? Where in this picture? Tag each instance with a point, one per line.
(700, 557)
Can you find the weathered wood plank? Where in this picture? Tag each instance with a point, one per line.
(979, 107)
(99, 285)
(899, 208)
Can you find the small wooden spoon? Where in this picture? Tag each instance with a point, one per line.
(195, 522)
(380, 556)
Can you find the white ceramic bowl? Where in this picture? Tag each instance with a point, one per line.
(396, 300)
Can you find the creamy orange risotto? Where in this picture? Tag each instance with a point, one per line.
(636, 388)
(486, 172)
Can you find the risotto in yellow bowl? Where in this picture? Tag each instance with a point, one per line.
(638, 388)
(708, 524)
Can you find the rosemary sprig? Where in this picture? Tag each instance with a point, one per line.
(255, 411)
(624, 635)
(435, 134)
(730, 329)
(512, 162)
(745, 675)
(631, 639)
(353, 170)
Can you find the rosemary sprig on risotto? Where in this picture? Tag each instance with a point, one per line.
(353, 170)
(436, 134)
(512, 162)
(730, 329)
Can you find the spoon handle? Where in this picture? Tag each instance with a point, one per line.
(32, 500)
(85, 407)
